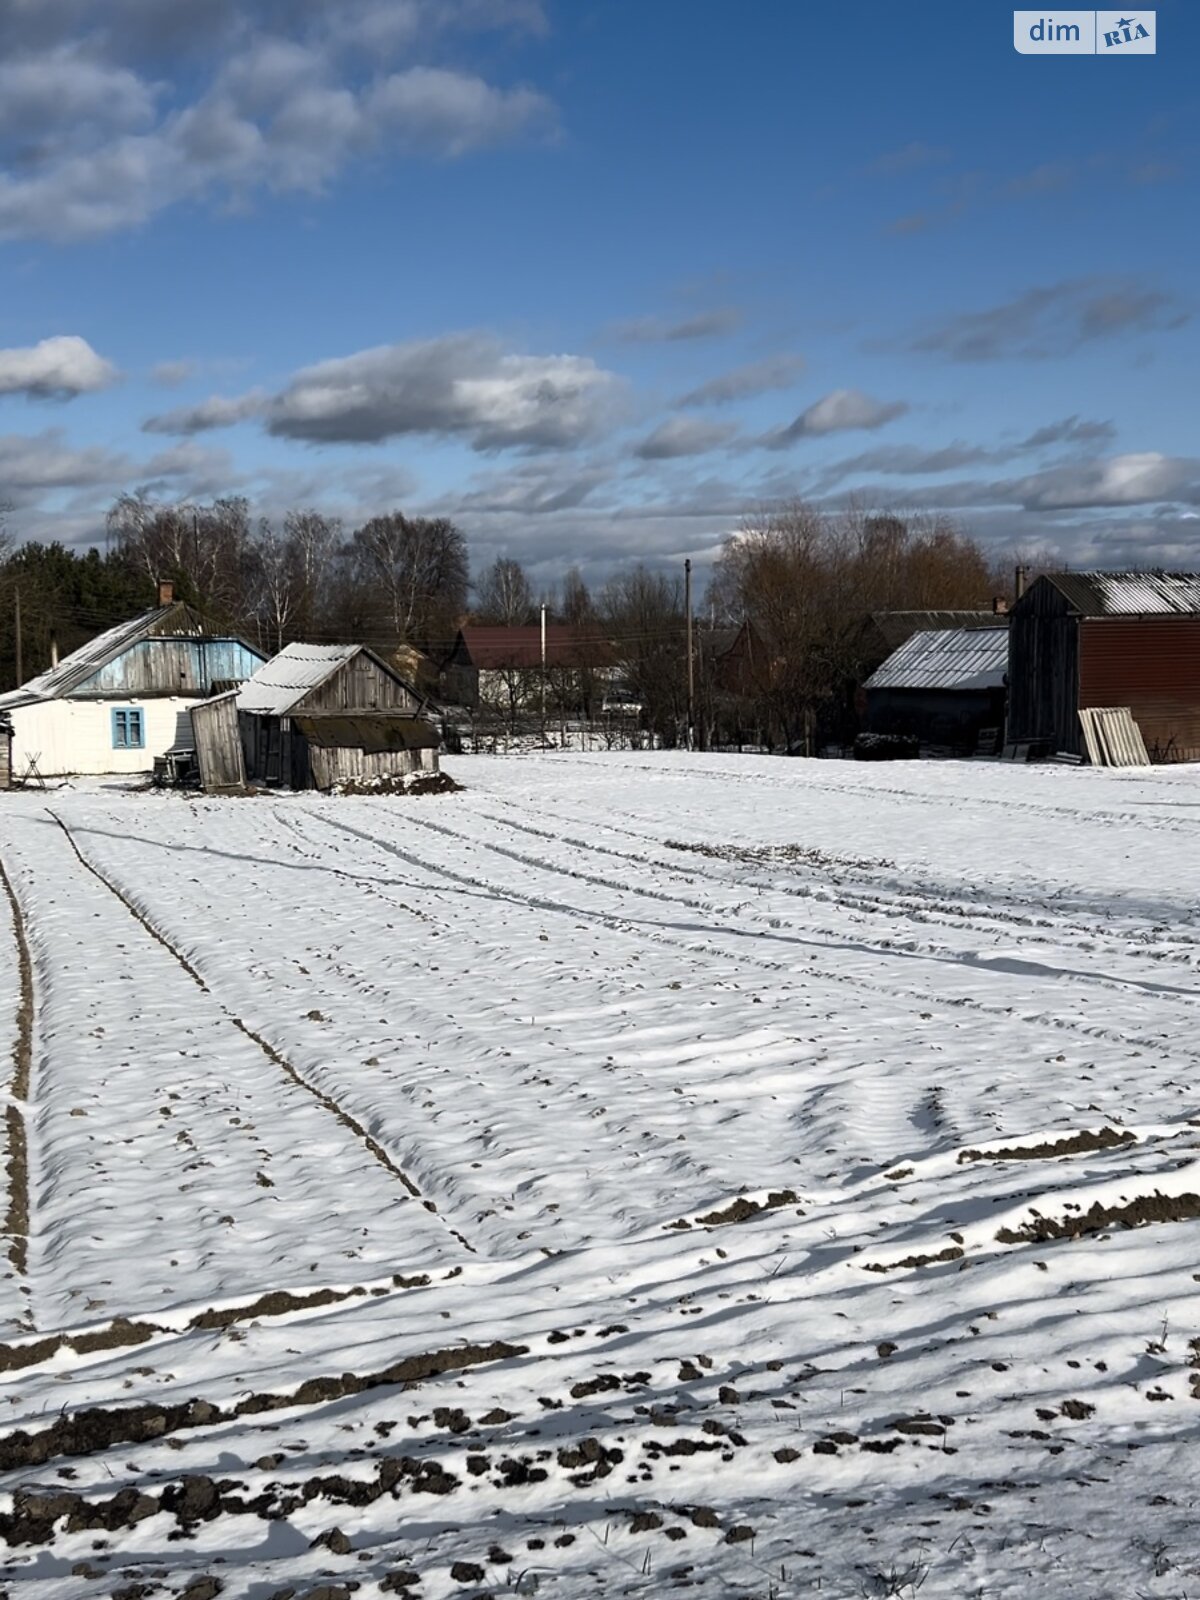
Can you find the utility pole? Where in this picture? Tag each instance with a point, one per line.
(691, 664)
(17, 634)
(543, 672)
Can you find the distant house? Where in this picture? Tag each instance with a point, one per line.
(1086, 639)
(944, 686)
(314, 716)
(736, 657)
(119, 701)
(502, 667)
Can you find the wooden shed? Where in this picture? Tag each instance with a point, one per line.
(218, 745)
(6, 744)
(943, 686)
(1092, 639)
(315, 716)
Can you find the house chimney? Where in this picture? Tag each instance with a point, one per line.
(999, 605)
(166, 592)
(1019, 576)
(53, 648)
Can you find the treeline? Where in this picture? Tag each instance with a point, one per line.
(804, 580)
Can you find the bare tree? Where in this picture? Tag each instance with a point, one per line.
(206, 549)
(575, 606)
(642, 613)
(275, 572)
(414, 571)
(809, 580)
(504, 596)
(312, 540)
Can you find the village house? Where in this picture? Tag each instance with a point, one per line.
(1081, 640)
(506, 669)
(944, 686)
(314, 716)
(122, 699)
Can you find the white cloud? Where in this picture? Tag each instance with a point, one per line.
(31, 464)
(462, 384)
(842, 410)
(63, 89)
(701, 325)
(218, 411)
(89, 145)
(55, 369)
(1143, 478)
(740, 383)
(449, 113)
(684, 436)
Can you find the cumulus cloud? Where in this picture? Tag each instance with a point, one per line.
(684, 436)
(742, 383)
(34, 463)
(91, 141)
(655, 330)
(55, 369)
(42, 95)
(218, 411)
(461, 385)
(839, 411)
(1052, 320)
(1143, 478)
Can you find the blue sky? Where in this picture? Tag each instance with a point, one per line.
(599, 280)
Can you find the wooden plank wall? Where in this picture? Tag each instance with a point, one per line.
(218, 745)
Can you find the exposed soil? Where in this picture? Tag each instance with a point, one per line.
(1097, 1218)
(742, 1210)
(407, 784)
(85, 1432)
(1073, 1144)
(16, 1219)
(952, 1252)
(122, 1332)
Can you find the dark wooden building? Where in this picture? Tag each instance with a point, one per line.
(943, 686)
(1086, 639)
(315, 716)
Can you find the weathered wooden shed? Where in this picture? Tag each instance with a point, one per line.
(217, 742)
(1090, 639)
(6, 744)
(317, 715)
(944, 686)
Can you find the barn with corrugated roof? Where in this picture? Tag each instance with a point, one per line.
(1090, 639)
(943, 685)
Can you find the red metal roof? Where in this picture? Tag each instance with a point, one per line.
(491, 649)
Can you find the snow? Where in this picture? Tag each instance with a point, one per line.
(507, 1059)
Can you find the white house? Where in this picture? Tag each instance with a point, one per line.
(119, 701)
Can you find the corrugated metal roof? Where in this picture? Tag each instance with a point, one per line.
(948, 658)
(289, 676)
(1115, 594)
(81, 664)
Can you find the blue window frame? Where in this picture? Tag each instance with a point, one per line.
(128, 730)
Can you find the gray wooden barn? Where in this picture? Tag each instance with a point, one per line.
(945, 686)
(314, 716)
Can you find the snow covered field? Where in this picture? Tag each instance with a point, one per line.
(638, 1172)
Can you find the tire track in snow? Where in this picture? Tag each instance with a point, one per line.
(339, 1112)
(772, 928)
(577, 1105)
(16, 1219)
(985, 921)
